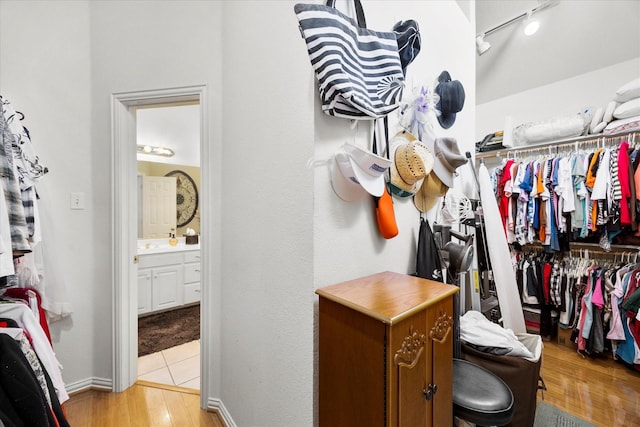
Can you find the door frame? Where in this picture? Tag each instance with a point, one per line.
(124, 236)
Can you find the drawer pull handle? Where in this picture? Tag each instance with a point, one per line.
(197, 271)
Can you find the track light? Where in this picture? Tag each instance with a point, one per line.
(531, 25)
(481, 45)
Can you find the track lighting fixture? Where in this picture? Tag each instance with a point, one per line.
(531, 25)
(481, 45)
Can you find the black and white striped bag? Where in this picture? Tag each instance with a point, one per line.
(358, 70)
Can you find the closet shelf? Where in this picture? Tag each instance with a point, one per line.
(577, 141)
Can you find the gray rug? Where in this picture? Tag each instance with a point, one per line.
(550, 416)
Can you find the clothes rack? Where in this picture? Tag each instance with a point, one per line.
(558, 146)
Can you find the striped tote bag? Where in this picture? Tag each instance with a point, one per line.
(358, 70)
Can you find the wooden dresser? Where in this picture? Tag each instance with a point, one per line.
(385, 352)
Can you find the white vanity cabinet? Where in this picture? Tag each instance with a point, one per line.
(144, 291)
(160, 281)
(167, 280)
(191, 277)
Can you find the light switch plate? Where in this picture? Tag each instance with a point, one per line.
(77, 201)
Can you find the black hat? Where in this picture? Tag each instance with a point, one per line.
(451, 101)
(408, 37)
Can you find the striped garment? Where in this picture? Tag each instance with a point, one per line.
(358, 70)
(11, 188)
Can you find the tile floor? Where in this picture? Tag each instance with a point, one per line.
(178, 365)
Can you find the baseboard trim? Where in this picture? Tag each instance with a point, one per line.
(92, 383)
(216, 405)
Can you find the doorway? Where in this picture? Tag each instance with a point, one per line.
(169, 281)
(125, 224)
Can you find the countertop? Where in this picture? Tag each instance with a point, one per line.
(161, 246)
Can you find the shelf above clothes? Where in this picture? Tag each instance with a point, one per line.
(559, 145)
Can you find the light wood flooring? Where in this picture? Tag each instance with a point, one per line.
(601, 391)
(142, 405)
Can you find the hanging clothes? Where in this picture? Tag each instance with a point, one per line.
(556, 199)
(13, 197)
(428, 264)
(25, 259)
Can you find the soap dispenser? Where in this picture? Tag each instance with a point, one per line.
(173, 241)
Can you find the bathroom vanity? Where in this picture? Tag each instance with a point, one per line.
(168, 276)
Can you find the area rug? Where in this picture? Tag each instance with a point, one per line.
(550, 416)
(161, 331)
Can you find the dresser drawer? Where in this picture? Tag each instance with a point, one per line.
(191, 292)
(192, 272)
(192, 256)
(159, 260)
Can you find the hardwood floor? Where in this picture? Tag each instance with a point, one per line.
(142, 405)
(601, 391)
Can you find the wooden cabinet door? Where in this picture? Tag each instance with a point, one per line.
(410, 372)
(441, 338)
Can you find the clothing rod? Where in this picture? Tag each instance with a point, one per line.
(592, 247)
(597, 138)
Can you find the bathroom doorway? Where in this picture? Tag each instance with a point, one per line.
(168, 249)
(124, 243)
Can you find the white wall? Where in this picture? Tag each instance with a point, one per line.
(281, 232)
(267, 257)
(141, 45)
(347, 242)
(45, 71)
(560, 99)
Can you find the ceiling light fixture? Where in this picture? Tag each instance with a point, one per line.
(482, 45)
(155, 151)
(531, 25)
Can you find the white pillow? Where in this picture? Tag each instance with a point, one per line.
(627, 109)
(623, 125)
(628, 91)
(597, 118)
(599, 128)
(608, 112)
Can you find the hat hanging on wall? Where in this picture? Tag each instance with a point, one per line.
(369, 168)
(429, 193)
(451, 101)
(356, 172)
(412, 162)
(447, 158)
(343, 179)
(408, 36)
